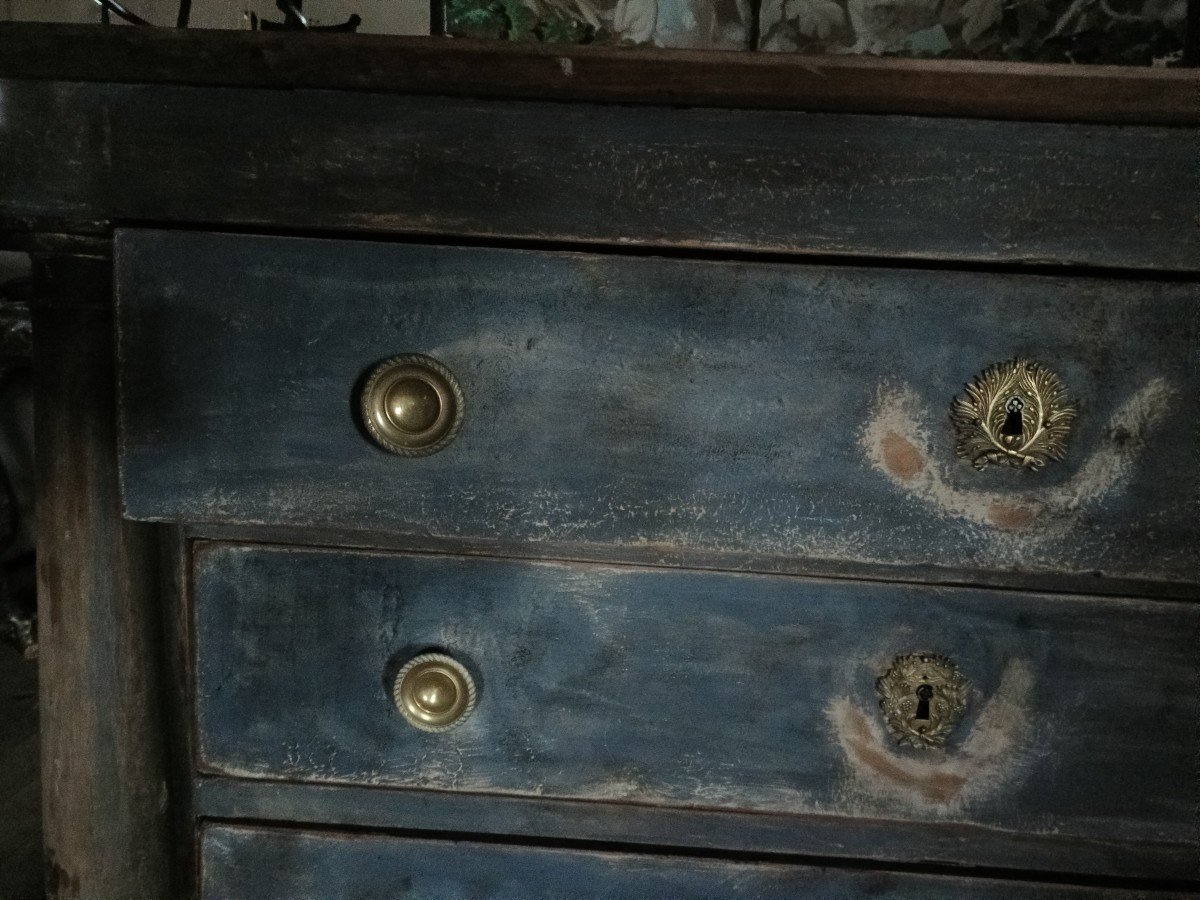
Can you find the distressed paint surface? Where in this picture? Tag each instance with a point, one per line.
(732, 408)
(699, 691)
(879, 186)
(267, 863)
(632, 824)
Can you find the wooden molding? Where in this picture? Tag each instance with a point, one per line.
(457, 67)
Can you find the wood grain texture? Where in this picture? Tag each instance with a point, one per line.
(178, 722)
(103, 758)
(1064, 583)
(1113, 94)
(706, 691)
(630, 825)
(267, 863)
(20, 779)
(780, 182)
(728, 408)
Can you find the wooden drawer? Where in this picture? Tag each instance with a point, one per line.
(649, 405)
(701, 691)
(264, 863)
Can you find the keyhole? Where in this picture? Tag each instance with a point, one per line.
(924, 695)
(1013, 426)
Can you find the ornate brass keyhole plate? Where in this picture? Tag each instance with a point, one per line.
(923, 697)
(1014, 413)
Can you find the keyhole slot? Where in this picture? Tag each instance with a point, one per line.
(924, 695)
(1013, 426)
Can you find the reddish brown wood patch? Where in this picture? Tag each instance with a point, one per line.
(901, 456)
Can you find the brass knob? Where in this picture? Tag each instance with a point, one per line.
(412, 405)
(434, 692)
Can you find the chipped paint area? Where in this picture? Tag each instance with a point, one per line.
(896, 440)
(706, 521)
(985, 763)
(297, 765)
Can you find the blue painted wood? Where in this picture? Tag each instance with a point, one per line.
(820, 836)
(265, 863)
(728, 408)
(696, 690)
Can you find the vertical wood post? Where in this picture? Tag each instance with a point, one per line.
(103, 745)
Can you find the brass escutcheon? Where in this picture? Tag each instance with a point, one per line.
(923, 697)
(412, 405)
(1014, 413)
(434, 692)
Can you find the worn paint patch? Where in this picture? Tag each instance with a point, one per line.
(901, 457)
(1011, 515)
(896, 441)
(986, 761)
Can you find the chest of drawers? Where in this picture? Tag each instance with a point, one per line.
(647, 495)
(671, 431)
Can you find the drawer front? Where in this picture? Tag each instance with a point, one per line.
(709, 691)
(658, 406)
(265, 863)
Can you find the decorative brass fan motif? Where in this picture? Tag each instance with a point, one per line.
(1014, 413)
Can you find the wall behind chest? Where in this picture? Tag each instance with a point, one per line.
(378, 16)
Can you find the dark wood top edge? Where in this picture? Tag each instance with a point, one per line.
(497, 69)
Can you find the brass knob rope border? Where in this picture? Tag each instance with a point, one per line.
(434, 692)
(412, 405)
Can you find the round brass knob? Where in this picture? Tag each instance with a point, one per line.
(434, 692)
(412, 405)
